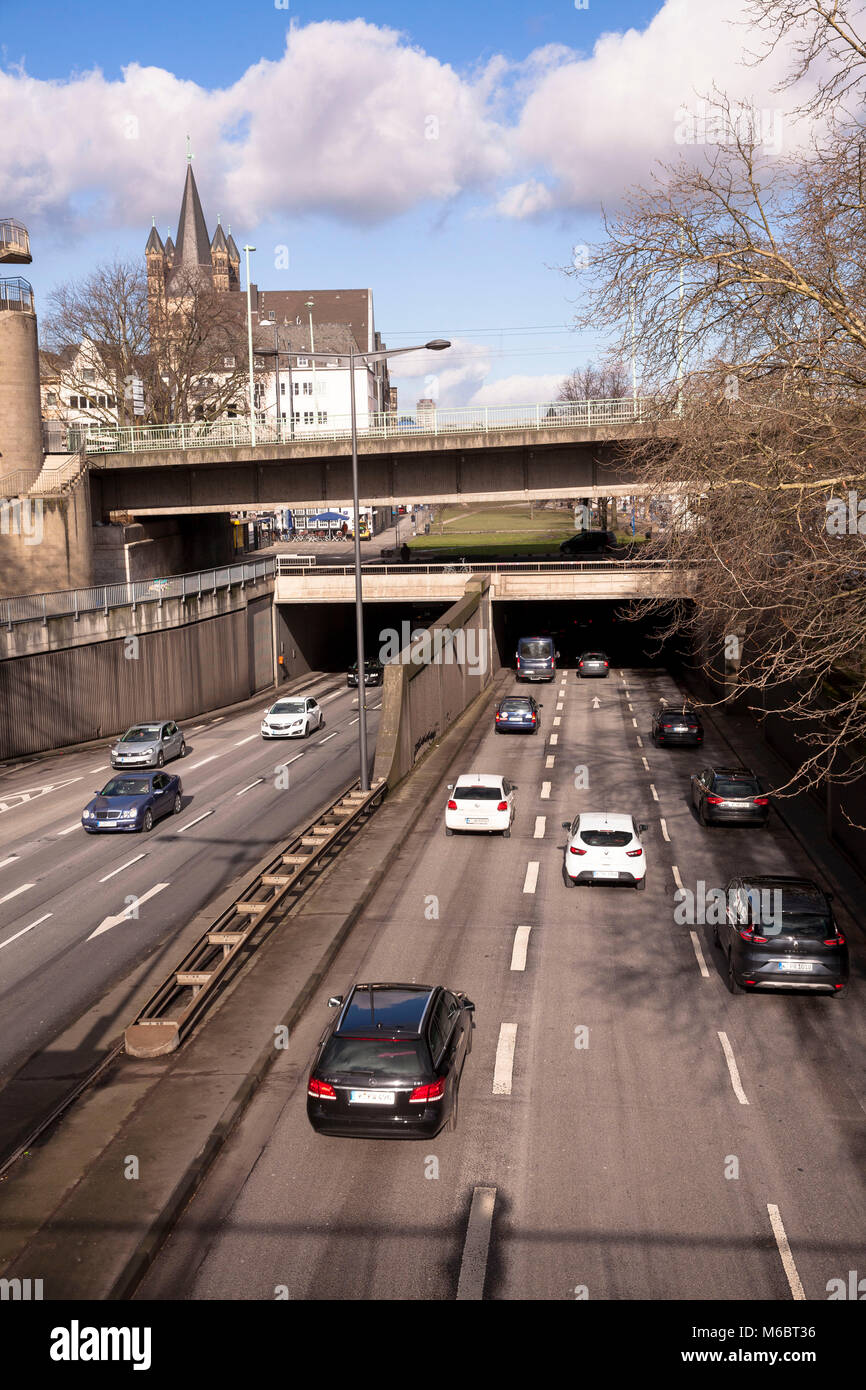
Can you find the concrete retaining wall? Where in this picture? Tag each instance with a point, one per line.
(45, 542)
(421, 699)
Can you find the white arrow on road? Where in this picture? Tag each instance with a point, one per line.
(596, 702)
(108, 922)
(15, 799)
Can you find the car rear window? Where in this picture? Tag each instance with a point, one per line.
(736, 786)
(593, 656)
(470, 793)
(534, 648)
(808, 924)
(522, 705)
(609, 839)
(376, 1056)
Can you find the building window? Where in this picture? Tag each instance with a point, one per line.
(308, 388)
(282, 388)
(50, 397)
(228, 361)
(272, 315)
(308, 417)
(88, 374)
(297, 387)
(283, 416)
(323, 417)
(303, 362)
(297, 417)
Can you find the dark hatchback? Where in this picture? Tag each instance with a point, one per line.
(729, 796)
(374, 673)
(677, 725)
(593, 664)
(779, 932)
(389, 1065)
(518, 714)
(536, 659)
(133, 801)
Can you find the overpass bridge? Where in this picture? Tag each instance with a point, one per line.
(501, 453)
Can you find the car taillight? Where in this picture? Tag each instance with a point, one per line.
(692, 728)
(762, 801)
(835, 940)
(498, 714)
(422, 1094)
(572, 849)
(714, 800)
(518, 663)
(452, 805)
(607, 663)
(580, 663)
(320, 1090)
(533, 717)
(633, 853)
(503, 806)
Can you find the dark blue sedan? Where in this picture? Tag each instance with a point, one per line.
(518, 714)
(133, 801)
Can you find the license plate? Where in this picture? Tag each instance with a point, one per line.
(604, 873)
(371, 1098)
(795, 966)
(476, 820)
(679, 729)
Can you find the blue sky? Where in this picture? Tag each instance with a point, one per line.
(453, 168)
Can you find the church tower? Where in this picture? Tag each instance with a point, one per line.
(219, 251)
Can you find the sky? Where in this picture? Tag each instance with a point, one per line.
(454, 157)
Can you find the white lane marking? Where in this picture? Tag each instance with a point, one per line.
(664, 827)
(13, 800)
(189, 825)
(549, 760)
(195, 766)
(676, 873)
(16, 891)
(794, 1284)
(354, 721)
(198, 728)
(732, 1068)
(654, 792)
(626, 692)
(631, 707)
(248, 788)
(639, 741)
(379, 706)
(504, 1065)
(521, 946)
(473, 1265)
(531, 876)
(634, 722)
(700, 955)
(108, 922)
(645, 763)
(24, 930)
(560, 706)
(69, 829)
(554, 739)
(336, 695)
(556, 721)
(216, 721)
(289, 761)
(102, 768)
(327, 736)
(122, 867)
(249, 738)
(545, 796)
(14, 857)
(540, 822)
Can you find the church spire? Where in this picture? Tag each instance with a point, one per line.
(192, 248)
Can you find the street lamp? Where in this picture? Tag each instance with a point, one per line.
(247, 250)
(435, 345)
(310, 304)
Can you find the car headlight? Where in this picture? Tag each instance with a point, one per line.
(128, 815)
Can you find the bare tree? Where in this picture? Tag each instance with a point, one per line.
(107, 310)
(609, 381)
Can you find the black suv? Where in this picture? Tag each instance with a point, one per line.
(389, 1066)
(374, 673)
(678, 724)
(779, 931)
(589, 543)
(729, 796)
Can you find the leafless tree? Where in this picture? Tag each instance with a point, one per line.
(108, 310)
(609, 381)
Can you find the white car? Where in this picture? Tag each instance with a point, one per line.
(480, 801)
(604, 848)
(294, 716)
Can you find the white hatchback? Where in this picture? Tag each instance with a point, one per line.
(294, 716)
(480, 801)
(604, 848)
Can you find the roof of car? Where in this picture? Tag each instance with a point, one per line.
(732, 771)
(386, 1008)
(790, 881)
(593, 653)
(604, 820)
(480, 779)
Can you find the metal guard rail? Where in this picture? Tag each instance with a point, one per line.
(179, 1002)
(287, 565)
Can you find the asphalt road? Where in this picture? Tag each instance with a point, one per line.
(655, 1136)
(59, 885)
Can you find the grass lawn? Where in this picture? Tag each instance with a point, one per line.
(489, 530)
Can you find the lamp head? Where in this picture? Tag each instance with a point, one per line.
(437, 344)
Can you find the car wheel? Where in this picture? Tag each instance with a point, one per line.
(641, 884)
(160, 759)
(717, 940)
(702, 816)
(506, 834)
(448, 830)
(455, 1105)
(733, 986)
(182, 753)
(178, 805)
(147, 823)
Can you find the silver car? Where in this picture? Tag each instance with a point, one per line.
(148, 745)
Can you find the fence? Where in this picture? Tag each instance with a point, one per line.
(291, 564)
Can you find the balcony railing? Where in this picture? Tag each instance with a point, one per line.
(14, 241)
(17, 294)
(492, 419)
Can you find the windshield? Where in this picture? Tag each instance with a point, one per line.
(145, 733)
(375, 1056)
(535, 647)
(288, 707)
(126, 786)
(609, 839)
(470, 793)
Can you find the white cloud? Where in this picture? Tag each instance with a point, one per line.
(451, 378)
(519, 390)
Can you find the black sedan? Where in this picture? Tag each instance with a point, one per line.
(729, 796)
(374, 673)
(676, 724)
(517, 714)
(389, 1065)
(133, 801)
(778, 932)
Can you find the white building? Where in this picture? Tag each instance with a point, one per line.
(307, 396)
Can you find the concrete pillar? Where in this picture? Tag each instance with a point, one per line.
(20, 408)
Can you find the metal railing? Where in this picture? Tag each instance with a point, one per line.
(23, 483)
(288, 565)
(17, 294)
(14, 240)
(493, 419)
(28, 608)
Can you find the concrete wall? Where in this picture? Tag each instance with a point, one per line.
(45, 542)
(159, 546)
(20, 408)
(421, 700)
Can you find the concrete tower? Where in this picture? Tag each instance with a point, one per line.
(20, 407)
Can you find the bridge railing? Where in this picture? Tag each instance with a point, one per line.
(493, 419)
(291, 565)
(27, 608)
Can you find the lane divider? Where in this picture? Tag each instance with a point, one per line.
(540, 822)
(24, 930)
(663, 824)
(473, 1264)
(520, 948)
(189, 825)
(122, 867)
(702, 964)
(793, 1278)
(676, 873)
(503, 1067)
(545, 796)
(733, 1070)
(531, 879)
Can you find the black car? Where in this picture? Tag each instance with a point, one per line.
(374, 673)
(588, 544)
(518, 714)
(676, 724)
(729, 796)
(389, 1066)
(593, 664)
(779, 931)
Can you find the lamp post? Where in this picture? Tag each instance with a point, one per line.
(310, 304)
(247, 250)
(435, 345)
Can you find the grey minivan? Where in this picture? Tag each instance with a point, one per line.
(536, 659)
(148, 745)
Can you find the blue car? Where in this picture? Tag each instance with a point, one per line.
(133, 801)
(518, 714)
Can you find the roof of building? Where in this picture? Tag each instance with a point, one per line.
(294, 338)
(219, 242)
(192, 249)
(154, 242)
(354, 307)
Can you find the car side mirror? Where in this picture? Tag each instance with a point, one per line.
(566, 824)
(467, 1003)
(335, 1001)
(450, 787)
(643, 827)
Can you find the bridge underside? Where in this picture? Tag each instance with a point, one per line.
(445, 470)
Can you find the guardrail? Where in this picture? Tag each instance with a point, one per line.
(287, 564)
(16, 293)
(479, 419)
(28, 608)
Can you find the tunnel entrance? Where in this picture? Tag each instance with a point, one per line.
(321, 636)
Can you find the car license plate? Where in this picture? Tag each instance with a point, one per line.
(371, 1097)
(476, 820)
(679, 729)
(604, 873)
(796, 966)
